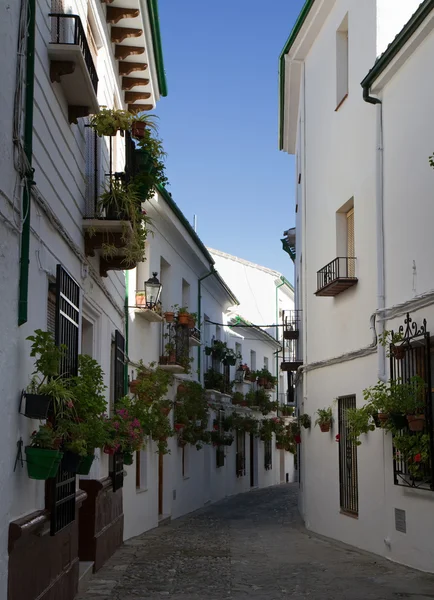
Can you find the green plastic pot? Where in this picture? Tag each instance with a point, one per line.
(42, 464)
(85, 465)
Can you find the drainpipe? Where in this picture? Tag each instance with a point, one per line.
(379, 201)
(23, 290)
(277, 333)
(199, 315)
(127, 281)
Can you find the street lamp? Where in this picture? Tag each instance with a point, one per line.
(152, 291)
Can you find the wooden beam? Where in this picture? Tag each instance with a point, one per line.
(135, 108)
(125, 68)
(121, 52)
(116, 14)
(119, 34)
(133, 96)
(129, 82)
(59, 68)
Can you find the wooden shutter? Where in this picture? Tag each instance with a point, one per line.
(119, 367)
(350, 242)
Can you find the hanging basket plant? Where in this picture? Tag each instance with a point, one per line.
(43, 456)
(325, 419)
(128, 458)
(107, 122)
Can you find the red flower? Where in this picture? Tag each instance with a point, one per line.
(179, 426)
(338, 437)
(297, 439)
(216, 427)
(417, 458)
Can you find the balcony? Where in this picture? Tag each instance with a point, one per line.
(291, 324)
(72, 66)
(150, 313)
(194, 337)
(336, 277)
(176, 349)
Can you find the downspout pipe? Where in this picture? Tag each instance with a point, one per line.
(199, 315)
(277, 332)
(23, 290)
(379, 201)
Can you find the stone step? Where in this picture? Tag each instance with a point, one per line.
(85, 573)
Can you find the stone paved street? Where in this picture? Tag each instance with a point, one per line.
(252, 546)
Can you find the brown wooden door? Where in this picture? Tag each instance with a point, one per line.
(160, 483)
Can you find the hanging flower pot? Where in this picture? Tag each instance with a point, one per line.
(128, 458)
(37, 405)
(71, 461)
(416, 422)
(183, 318)
(42, 464)
(261, 381)
(179, 426)
(169, 316)
(325, 427)
(383, 418)
(133, 386)
(165, 410)
(110, 450)
(398, 420)
(138, 131)
(85, 465)
(182, 388)
(140, 300)
(208, 350)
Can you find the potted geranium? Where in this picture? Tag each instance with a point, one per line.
(140, 299)
(183, 315)
(108, 121)
(325, 419)
(43, 455)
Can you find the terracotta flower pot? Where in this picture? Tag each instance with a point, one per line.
(398, 352)
(133, 386)
(191, 322)
(172, 358)
(279, 446)
(325, 427)
(261, 381)
(138, 129)
(383, 418)
(183, 318)
(140, 300)
(169, 316)
(416, 422)
(165, 410)
(182, 388)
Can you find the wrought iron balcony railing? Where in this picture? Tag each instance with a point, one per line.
(336, 277)
(68, 29)
(291, 324)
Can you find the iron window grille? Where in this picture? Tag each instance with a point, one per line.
(60, 493)
(116, 461)
(220, 449)
(410, 357)
(268, 455)
(348, 475)
(68, 29)
(176, 344)
(240, 459)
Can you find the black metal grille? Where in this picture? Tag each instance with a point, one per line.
(408, 358)
(93, 146)
(291, 324)
(67, 318)
(240, 460)
(268, 455)
(176, 344)
(62, 505)
(68, 29)
(117, 471)
(342, 267)
(348, 477)
(119, 367)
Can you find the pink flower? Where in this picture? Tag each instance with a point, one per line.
(116, 425)
(338, 437)
(70, 404)
(135, 423)
(417, 458)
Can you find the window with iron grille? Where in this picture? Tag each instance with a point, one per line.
(241, 453)
(268, 455)
(60, 491)
(348, 477)
(220, 450)
(116, 461)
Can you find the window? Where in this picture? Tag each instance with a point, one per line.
(350, 241)
(252, 360)
(348, 478)
(220, 450)
(116, 461)
(266, 362)
(268, 455)
(64, 306)
(141, 470)
(185, 293)
(342, 62)
(345, 239)
(241, 453)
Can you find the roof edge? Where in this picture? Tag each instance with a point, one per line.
(239, 322)
(397, 44)
(156, 42)
(289, 42)
(227, 289)
(178, 212)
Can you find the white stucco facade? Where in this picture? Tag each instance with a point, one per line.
(345, 161)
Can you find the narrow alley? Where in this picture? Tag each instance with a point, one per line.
(251, 546)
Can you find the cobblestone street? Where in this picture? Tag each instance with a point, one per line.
(250, 546)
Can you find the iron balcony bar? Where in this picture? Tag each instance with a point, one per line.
(61, 35)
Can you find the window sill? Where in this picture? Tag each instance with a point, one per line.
(341, 102)
(345, 513)
(141, 490)
(186, 477)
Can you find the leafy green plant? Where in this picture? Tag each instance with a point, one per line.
(46, 437)
(305, 421)
(414, 449)
(325, 416)
(88, 388)
(396, 396)
(214, 381)
(108, 121)
(359, 421)
(191, 410)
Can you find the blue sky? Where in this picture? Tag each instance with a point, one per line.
(219, 123)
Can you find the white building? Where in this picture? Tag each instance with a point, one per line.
(84, 57)
(158, 487)
(363, 189)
